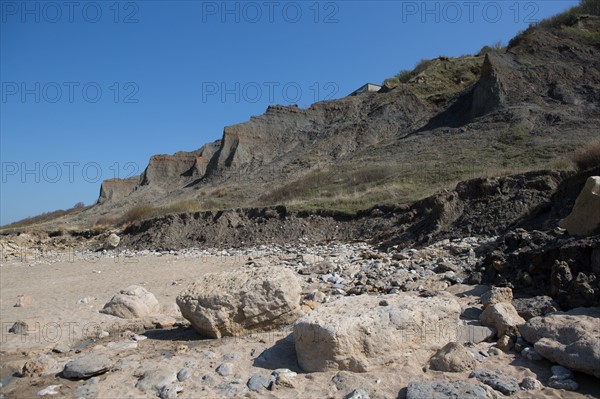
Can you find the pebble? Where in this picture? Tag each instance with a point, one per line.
(530, 354)
(530, 384)
(496, 380)
(258, 382)
(357, 394)
(225, 369)
(19, 327)
(562, 378)
(87, 366)
(61, 348)
(184, 374)
(49, 390)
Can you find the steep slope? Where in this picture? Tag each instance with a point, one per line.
(523, 107)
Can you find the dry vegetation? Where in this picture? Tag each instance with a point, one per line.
(46, 217)
(566, 22)
(588, 156)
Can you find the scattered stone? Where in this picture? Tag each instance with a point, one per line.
(49, 390)
(40, 365)
(535, 306)
(503, 317)
(287, 372)
(584, 219)
(233, 388)
(61, 348)
(497, 295)
(155, 379)
(89, 389)
(24, 301)
(474, 334)
(520, 344)
(530, 354)
(453, 357)
(87, 366)
(20, 327)
(132, 302)
(284, 380)
(530, 384)
(445, 390)
(112, 241)
(357, 394)
(496, 380)
(137, 337)
(184, 374)
(571, 339)
(566, 384)
(169, 391)
(122, 346)
(494, 351)
(562, 373)
(225, 369)
(163, 321)
(505, 343)
(257, 299)
(562, 378)
(354, 332)
(257, 383)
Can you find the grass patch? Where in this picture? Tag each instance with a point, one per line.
(145, 211)
(588, 156)
(46, 217)
(566, 21)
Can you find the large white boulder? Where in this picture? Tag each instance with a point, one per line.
(571, 339)
(356, 333)
(234, 303)
(584, 219)
(132, 302)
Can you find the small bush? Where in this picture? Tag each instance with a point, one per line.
(182, 206)
(107, 221)
(588, 156)
(139, 212)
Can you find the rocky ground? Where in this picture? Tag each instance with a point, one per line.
(161, 354)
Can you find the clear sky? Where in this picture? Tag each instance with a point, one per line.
(90, 90)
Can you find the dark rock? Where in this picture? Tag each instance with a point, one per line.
(497, 380)
(535, 306)
(445, 390)
(258, 382)
(87, 366)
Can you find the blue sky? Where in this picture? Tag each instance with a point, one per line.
(90, 90)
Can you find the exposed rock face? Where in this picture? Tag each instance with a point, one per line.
(167, 169)
(132, 302)
(584, 219)
(355, 333)
(489, 93)
(571, 339)
(117, 189)
(235, 303)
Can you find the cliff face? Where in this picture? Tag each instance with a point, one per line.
(535, 100)
(116, 189)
